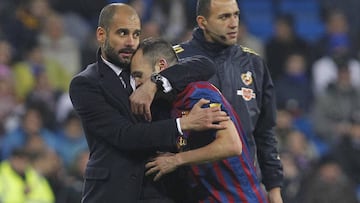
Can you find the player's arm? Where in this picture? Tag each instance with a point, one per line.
(195, 68)
(226, 144)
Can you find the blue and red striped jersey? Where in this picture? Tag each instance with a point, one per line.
(233, 179)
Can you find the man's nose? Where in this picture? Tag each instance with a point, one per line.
(234, 21)
(130, 41)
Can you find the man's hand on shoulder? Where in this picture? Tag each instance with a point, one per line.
(200, 118)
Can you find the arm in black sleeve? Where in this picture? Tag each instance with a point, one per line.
(191, 69)
(268, 156)
(105, 123)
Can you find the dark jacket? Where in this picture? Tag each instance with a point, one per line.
(119, 145)
(244, 80)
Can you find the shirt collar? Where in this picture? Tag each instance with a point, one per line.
(115, 68)
(118, 71)
(213, 48)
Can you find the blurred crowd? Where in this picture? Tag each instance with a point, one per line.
(43, 43)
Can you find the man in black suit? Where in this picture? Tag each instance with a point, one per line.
(119, 144)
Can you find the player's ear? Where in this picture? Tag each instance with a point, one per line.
(201, 21)
(101, 35)
(163, 64)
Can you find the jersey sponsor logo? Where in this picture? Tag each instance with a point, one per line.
(246, 93)
(178, 49)
(247, 78)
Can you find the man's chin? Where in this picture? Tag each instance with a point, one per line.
(122, 63)
(125, 66)
(125, 61)
(231, 42)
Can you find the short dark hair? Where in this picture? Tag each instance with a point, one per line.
(106, 16)
(203, 8)
(154, 48)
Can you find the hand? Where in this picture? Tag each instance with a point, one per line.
(141, 99)
(200, 119)
(163, 164)
(275, 195)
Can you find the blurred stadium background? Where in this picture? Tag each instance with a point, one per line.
(312, 48)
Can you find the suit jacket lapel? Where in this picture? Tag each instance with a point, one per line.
(113, 87)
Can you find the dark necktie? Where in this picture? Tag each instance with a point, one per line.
(125, 80)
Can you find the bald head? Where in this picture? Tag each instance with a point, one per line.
(118, 33)
(107, 14)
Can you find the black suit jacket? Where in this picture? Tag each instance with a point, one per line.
(119, 145)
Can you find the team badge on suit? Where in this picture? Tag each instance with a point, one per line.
(247, 78)
(246, 93)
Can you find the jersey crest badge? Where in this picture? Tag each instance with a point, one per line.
(247, 78)
(181, 142)
(184, 113)
(246, 93)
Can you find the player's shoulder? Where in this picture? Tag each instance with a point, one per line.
(184, 49)
(204, 88)
(203, 84)
(252, 55)
(248, 50)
